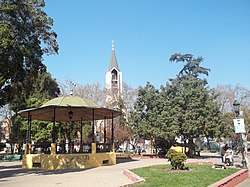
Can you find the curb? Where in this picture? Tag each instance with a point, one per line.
(135, 178)
(232, 180)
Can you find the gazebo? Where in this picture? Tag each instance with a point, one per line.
(65, 109)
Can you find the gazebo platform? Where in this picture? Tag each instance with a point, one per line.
(55, 161)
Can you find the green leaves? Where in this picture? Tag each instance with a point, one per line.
(176, 159)
(192, 66)
(185, 106)
(25, 35)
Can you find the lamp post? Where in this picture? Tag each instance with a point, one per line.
(236, 106)
(70, 114)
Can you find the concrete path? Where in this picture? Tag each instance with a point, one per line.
(245, 183)
(12, 175)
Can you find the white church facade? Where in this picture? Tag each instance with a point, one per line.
(113, 84)
(113, 81)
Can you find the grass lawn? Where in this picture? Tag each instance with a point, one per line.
(198, 175)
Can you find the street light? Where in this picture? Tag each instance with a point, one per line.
(236, 106)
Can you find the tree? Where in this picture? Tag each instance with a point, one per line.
(25, 36)
(93, 92)
(122, 130)
(214, 125)
(192, 66)
(227, 94)
(144, 117)
(185, 107)
(43, 89)
(129, 95)
(197, 112)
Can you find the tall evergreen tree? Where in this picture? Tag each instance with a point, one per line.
(145, 116)
(197, 112)
(192, 66)
(184, 107)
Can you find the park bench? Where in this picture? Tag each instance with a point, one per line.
(12, 157)
(219, 166)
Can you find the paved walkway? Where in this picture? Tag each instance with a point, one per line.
(245, 183)
(12, 175)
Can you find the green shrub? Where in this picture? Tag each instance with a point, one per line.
(176, 159)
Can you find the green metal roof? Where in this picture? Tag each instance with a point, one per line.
(58, 109)
(73, 101)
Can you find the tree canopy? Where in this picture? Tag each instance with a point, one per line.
(25, 36)
(185, 107)
(192, 66)
(43, 89)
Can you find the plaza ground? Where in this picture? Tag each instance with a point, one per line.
(12, 175)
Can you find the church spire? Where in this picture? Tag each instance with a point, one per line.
(113, 79)
(113, 61)
(113, 45)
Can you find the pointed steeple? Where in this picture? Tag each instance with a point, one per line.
(113, 79)
(113, 61)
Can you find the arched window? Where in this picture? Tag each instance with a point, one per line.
(114, 75)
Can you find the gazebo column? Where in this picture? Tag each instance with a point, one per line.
(53, 144)
(93, 145)
(81, 148)
(105, 133)
(112, 134)
(27, 146)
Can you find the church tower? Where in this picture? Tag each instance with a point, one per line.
(113, 79)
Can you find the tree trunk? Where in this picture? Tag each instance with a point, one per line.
(185, 148)
(12, 147)
(208, 144)
(191, 147)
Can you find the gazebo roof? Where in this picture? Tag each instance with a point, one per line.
(70, 101)
(58, 109)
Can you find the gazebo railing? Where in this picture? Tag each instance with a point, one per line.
(86, 148)
(103, 147)
(40, 148)
(63, 148)
(67, 149)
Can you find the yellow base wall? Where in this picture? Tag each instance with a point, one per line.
(67, 161)
(178, 149)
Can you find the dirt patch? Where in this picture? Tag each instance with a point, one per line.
(180, 171)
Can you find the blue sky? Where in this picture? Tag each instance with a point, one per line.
(146, 34)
